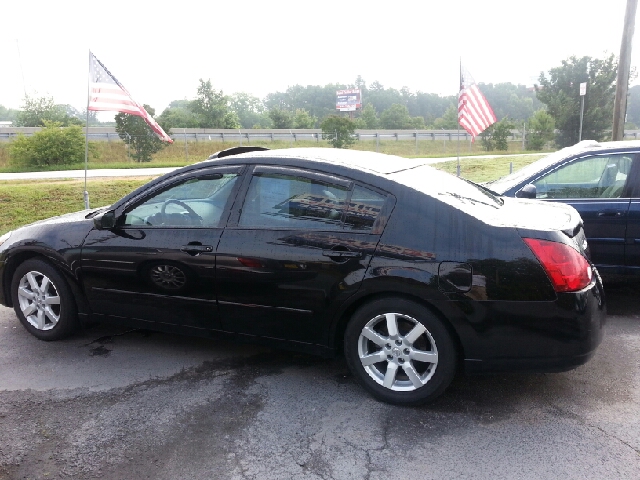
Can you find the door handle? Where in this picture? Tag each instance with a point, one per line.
(196, 249)
(610, 213)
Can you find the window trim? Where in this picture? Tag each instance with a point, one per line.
(297, 172)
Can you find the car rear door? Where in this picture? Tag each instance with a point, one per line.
(296, 249)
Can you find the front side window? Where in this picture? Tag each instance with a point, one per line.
(195, 202)
(285, 201)
(602, 176)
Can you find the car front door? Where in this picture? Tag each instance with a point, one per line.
(595, 185)
(158, 263)
(297, 248)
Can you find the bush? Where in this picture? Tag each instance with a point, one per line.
(52, 145)
(541, 130)
(496, 137)
(339, 131)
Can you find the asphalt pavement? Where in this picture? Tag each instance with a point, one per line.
(113, 403)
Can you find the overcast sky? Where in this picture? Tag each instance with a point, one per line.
(158, 50)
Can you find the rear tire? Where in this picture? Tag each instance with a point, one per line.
(43, 301)
(400, 351)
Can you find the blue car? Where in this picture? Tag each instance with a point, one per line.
(602, 181)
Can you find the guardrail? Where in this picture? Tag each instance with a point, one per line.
(228, 135)
(108, 134)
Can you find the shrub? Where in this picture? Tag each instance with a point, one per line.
(338, 131)
(541, 130)
(52, 145)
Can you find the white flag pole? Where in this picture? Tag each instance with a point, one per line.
(86, 138)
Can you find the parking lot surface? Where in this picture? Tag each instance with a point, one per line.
(113, 403)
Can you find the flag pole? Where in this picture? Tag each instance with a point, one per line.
(458, 134)
(86, 138)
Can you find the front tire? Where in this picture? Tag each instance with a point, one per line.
(43, 301)
(400, 351)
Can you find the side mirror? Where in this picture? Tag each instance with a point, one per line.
(105, 221)
(528, 191)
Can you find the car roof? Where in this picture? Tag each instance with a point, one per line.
(365, 161)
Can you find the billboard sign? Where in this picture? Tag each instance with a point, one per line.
(348, 100)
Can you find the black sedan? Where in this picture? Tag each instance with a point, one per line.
(602, 182)
(410, 272)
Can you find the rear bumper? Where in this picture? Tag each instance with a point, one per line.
(539, 336)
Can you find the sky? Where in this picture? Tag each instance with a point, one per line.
(159, 50)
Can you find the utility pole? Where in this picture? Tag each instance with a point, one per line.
(622, 82)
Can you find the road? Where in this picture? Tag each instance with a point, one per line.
(116, 404)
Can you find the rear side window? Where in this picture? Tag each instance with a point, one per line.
(287, 201)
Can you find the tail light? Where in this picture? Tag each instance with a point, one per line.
(567, 269)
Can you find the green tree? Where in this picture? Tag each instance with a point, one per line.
(633, 105)
(134, 131)
(250, 109)
(302, 119)
(36, 111)
(501, 133)
(560, 92)
(368, 118)
(448, 121)
(496, 136)
(53, 145)
(486, 139)
(281, 118)
(508, 100)
(541, 130)
(212, 108)
(429, 105)
(179, 115)
(396, 117)
(8, 114)
(319, 101)
(338, 131)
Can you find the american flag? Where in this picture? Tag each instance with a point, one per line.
(474, 112)
(106, 93)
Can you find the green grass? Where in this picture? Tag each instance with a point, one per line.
(114, 154)
(482, 170)
(23, 202)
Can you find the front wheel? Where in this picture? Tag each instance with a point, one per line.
(43, 301)
(400, 352)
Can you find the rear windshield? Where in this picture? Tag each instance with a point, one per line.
(446, 187)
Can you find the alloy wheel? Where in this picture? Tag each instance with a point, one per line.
(39, 300)
(398, 352)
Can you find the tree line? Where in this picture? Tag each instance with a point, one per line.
(548, 113)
